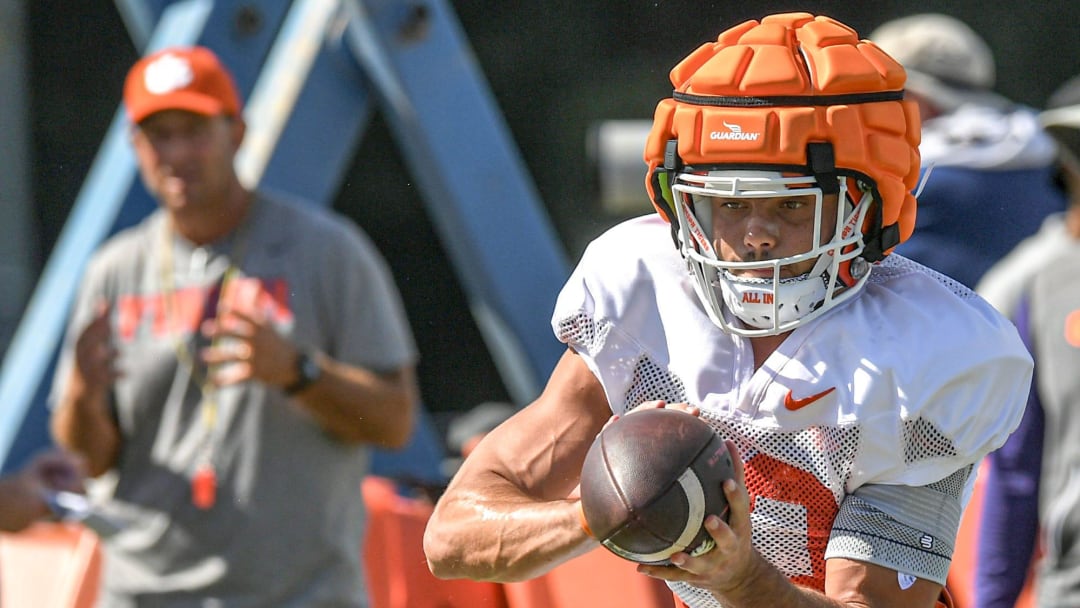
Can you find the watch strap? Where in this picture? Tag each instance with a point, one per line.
(307, 372)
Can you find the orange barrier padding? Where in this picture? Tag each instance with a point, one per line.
(50, 565)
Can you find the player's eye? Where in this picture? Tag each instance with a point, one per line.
(730, 203)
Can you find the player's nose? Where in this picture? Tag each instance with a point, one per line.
(761, 233)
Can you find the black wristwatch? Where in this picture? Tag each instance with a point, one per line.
(307, 372)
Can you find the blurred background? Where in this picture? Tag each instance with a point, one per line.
(557, 70)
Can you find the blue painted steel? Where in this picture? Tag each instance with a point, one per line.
(411, 61)
(476, 188)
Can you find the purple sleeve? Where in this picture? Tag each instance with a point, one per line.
(1009, 522)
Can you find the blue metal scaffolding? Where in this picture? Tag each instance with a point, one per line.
(313, 73)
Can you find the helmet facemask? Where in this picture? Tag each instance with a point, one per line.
(759, 305)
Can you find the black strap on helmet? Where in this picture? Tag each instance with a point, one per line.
(672, 164)
(822, 163)
(820, 158)
(671, 155)
(781, 101)
(880, 240)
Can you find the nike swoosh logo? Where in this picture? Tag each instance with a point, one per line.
(791, 403)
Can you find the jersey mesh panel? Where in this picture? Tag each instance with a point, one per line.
(651, 383)
(582, 332)
(923, 440)
(895, 265)
(796, 481)
(954, 484)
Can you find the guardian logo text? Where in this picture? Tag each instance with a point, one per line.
(733, 133)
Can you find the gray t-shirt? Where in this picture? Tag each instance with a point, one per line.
(286, 526)
(1054, 332)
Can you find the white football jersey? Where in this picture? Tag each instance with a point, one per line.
(909, 384)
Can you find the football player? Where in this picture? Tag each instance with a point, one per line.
(858, 388)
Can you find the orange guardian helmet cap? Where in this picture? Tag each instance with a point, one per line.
(790, 104)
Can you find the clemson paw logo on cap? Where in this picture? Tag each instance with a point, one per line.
(168, 73)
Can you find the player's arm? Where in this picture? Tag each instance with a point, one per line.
(507, 514)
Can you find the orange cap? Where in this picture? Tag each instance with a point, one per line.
(180, 78)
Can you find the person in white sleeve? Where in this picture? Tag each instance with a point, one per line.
(983, 155)
(857, 388)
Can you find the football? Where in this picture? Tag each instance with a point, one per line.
(648, 481)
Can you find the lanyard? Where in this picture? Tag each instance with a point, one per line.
(204, 477)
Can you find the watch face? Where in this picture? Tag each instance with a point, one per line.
(307, 371)
(309, 368)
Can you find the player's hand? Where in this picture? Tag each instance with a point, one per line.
(654, 405)
(734, 561)
(245, 346)
(95, 356)
(682, 406)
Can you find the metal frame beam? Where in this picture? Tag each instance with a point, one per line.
(313, 71)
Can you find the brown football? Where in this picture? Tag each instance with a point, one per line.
(648, 481)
